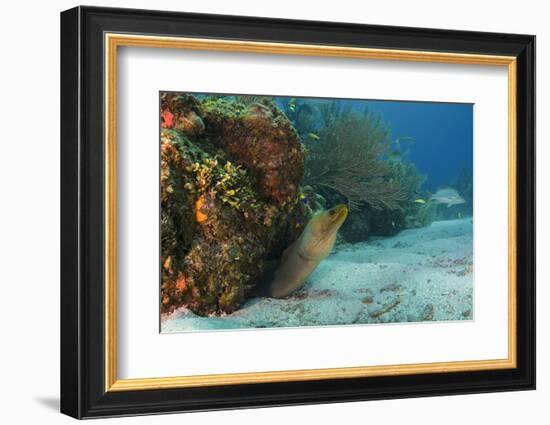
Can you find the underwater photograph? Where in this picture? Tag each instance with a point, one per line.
(299, 211)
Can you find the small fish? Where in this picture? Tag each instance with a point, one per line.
(313, 136)
(303, 199)
(448, 196)
(420, 201)
(292, 104)
(404, 139)
(459, 214)
(395, 154)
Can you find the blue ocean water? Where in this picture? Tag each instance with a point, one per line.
(442, 136)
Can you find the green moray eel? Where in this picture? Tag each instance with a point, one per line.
(305, 254)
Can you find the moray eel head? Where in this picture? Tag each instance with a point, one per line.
(320, 232)
(332, 219)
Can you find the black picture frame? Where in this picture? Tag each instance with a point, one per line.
(83, 392)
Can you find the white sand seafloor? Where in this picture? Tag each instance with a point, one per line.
(418, 275)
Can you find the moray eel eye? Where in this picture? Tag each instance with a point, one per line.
(332, 212)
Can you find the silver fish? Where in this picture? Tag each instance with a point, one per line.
(448, 196)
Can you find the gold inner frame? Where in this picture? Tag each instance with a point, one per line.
(113, 41)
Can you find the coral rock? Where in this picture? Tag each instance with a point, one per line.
(261, 138)
(229, 199)
(181, 112)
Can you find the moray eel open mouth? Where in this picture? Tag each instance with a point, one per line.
(337, 215)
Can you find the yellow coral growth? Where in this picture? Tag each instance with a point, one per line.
(200, 217)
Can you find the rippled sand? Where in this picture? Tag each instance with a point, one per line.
(419, 275)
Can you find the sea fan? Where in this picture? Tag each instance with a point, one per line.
(348, 159)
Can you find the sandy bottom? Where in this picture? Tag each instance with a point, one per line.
(419, 275)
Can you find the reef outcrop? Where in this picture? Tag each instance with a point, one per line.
(230, 199)
(262, 140)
